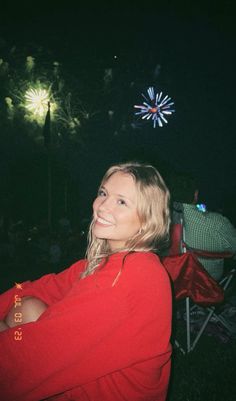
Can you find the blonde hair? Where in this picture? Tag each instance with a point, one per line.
(152, 208)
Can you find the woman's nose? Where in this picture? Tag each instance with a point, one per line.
(106, 204)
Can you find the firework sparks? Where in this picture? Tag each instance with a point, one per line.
(36, 101)
(155, 107)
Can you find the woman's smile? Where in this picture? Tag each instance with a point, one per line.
(115, 210)
(103, 222)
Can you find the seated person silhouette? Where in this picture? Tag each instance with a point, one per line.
(203, 229)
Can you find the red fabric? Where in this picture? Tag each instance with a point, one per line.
(209, 254)
(190, 279)
(95, 342)
(176, 231)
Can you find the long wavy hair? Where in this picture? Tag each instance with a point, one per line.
(153, 210)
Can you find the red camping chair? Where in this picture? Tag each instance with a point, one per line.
(224, 283)
(193, 283)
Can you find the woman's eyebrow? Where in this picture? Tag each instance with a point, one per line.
(119, 195)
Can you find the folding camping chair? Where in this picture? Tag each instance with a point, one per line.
(192, 283)
(214, 313)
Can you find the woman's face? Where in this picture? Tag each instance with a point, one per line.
(115, 210)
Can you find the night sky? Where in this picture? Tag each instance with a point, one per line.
(187, 51)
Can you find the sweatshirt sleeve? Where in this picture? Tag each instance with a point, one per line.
(49, 288)
(93, 332)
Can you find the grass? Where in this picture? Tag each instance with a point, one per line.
(205, 374)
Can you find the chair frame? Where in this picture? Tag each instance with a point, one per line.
(223, 283)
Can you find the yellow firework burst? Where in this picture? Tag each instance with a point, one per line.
(36, 101)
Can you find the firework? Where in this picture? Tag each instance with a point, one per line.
(155, 107)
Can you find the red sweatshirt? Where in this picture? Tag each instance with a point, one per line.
(96, 341)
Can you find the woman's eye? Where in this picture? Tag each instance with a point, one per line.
(121, 202)
(101, 192)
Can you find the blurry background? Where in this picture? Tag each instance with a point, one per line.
(97, 61)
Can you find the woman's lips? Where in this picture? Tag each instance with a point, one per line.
(103, 222)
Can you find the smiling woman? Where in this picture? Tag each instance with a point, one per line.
(131, 212)
(115, 211)
(99, 330)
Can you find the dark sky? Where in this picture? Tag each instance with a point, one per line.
(194, 44)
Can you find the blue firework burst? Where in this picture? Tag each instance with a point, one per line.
(155, 107)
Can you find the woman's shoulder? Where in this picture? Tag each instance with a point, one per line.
(143, 257)
(144, 269)
(144, 262)
(77, 266)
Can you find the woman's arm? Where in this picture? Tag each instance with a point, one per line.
(117, 326)
(49, 289)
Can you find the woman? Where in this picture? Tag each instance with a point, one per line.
(100, 330)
